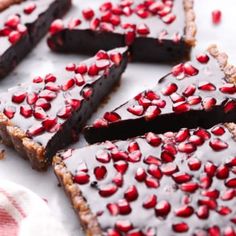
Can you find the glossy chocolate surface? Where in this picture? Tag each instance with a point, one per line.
(179, 184)
(194, 94)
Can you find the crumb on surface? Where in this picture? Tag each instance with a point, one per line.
(2, 154)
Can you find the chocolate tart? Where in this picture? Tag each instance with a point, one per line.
(169, 184)
(197, 93)
(40, 117)
(155, 31)
(23, 25)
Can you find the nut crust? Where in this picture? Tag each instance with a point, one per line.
(7, 3)
(87, 219)
(190, 24)
(222, 59)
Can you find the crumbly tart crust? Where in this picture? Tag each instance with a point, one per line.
(7, 3)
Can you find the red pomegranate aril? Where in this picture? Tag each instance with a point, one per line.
(211, 203)
(116, 58)
(102, 55)
(205, 181)
(167, 156)
(150, 201)
(56, 26)
(123, 225)
(214, 231)
(79, 80)
(131, 193)
(5, 31)
(153, 139)
(112, 116)
(180, 227)
(203, 212)
(113, 209)
(70, 67)
(140, 174)
(181, 178)
(39, 113)
(107, 190)
(216, 16)
(206, 86)
(203, 58)
(100, 123)
(73, 23)
(87, 92)
(228, 88)
(100, 172)
(194, 164)
(218, 130)
(94, 24)
(50, 78)
(121, 166)
(118, 180)
(29, 8)
(190, 70)
(103, 156)
(127, 11)
(175, 97)
(204, 134)
(142, 13)
(189, 187)
(189, 91)
(19, 97)
(156, 7)
(196, 140)
(26, 111)
(151, 182)
(119, 155)
(14, 37)
(35, 130)
(74, 103)
(88, 13)
(49, 123)
(229, 106)
(143, 29)
(81, 69)
(182, 135)
(208, 103)
(169, 89)
(231, 183)
(133, 146)
(222, 172)
(152, 160)
(9, 112)
(106, 27)
(130, 37)
(113, 232)
(194, 100)
(93, 70)
(162, 208)
(12, 21)
(168, 19)
(22, 29)
(181, 107)
(210, 168)
(105, 6)
(135, 156)
(229, 231)
(151, 95)
(136, 110)
(144, 102)
(224, 210)
(152, 112)
(166, 10)
(154, 171)
(169, 168)
(68, 85)
(47, 94)
(228, 195)
(218, 144)
(177, 70)
(186, 147)
(184, 211)
(81, 177)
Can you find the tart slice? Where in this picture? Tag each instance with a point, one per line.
(170, 184)
(197, 93)
(23, 25)
(154, 30)
(43, 116)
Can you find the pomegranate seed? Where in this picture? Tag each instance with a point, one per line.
(47, 94)
(194, 100)
(209, 103)
(9, 112)
(136, 110)
(203, 212)
(203, 58)
(216, 17)
(121, 166)
(204, 134)
(229, 106)
(229, 231)
(159, 103)
(180, 107)
(205, 181)
(190, 70)
(186, 147)
(113, 232)
(182, 135)
(152, 160)
(228, 88)
(184, 211)
(194, 164)
(119, 155)
(154, 171)
(181, 177)
(143, 29)
(153, 139)
(133, 146)
(29, 8)
(151, 182)
(131, 193)
(210, 168)
(222, 172)
(224, 210)
(116, 58)
(74, 103)
(93, 70)
(94, 24)
(175, 97)
(206, 86)
(103, 156)
(5, 31)
(105, 6)
(231, 183)
(169, 89)
(50, 78)
(14, 37)
(26, 111)
(177, 70)
(218, 130)
(68, 85)
(152, 112)
(81, 177)
(71, 67)
(81, 69)
(169, 168)
(189, 187)
(180, 227)
(35, 130)
(156, 7)
(74, 23)
(118, 180)
(39, 113)
(102, 55)
(22, 29)
(127, 11)
(130, 37)
(117, 10)
(12, 21)
(144, 102)
(112, 116)
(123, 225)
(228, 195)
(107, 190)
(196, 140)
(113, 209)
(166, 10)
(140, 174)
(49, 123)
(167, 156)
(100, 172)
(151, 95)
(168, 19)
(99, 123)
(189, 91)
(150, 201)
(18, 97)
(79, 80)
(135, 232)
(218, 144)
(162, 208)
(135, 156)
(142, 13)
(88, 13)
(56, 26)
(87, 92)
(106, 27)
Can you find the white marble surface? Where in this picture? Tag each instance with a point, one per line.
(137, 77)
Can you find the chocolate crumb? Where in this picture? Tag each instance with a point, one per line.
(2, 154)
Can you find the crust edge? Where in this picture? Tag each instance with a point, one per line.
(4, 4)
(190, 24)
(222, 59)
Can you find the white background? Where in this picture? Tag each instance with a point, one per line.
(136, 78)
